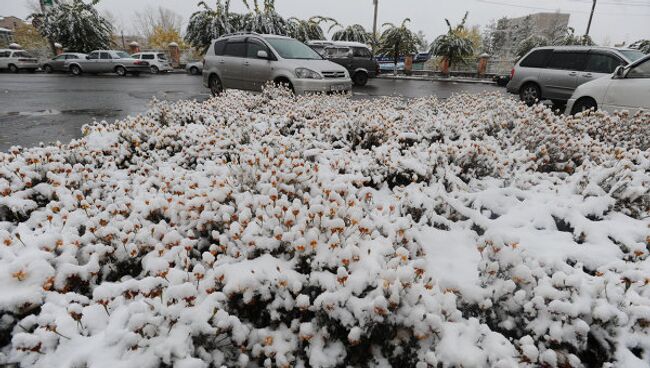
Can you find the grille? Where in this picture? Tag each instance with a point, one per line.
(334, 74)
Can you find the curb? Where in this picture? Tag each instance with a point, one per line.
(438, 79)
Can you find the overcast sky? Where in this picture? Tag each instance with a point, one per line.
(614, 21)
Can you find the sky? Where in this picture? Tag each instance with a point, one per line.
(614, 21)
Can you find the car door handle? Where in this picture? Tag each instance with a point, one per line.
(246, 63)
(222, 61)
(573, 74)
(588, 75)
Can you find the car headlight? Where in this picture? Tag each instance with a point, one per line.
(304, 73)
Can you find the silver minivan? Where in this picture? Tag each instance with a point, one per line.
(554, 72)
(249, 60)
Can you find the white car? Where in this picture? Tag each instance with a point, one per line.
(17, 60)
(157, 60)
(194, 68)
(627, 89)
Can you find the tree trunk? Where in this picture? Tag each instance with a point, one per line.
(396, 58)
(49, 39)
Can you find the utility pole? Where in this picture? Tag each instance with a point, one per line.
(374, 23)
(591, 16)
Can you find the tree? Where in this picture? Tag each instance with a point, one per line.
(530, 43)
(76, 25)
(397, 41)
(157, 25)
(423, 44)
(354, 33)
(455, 45)
(641, 45)
(264, 19)
(208, 24)
(28, 37)
(161, 38)
(306, 30)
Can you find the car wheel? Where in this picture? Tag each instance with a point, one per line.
(154, 69)
(282, 82)
(48, 69)
(75, 69)
(360, 79)
(121, 71)
(216, 87)
(194, 70)
(13, 68)
(530, 94)
(584, 104)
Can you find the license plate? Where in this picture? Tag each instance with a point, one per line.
(338, 87)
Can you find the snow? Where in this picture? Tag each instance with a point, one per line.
(271, 230)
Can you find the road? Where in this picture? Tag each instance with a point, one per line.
(45, 108)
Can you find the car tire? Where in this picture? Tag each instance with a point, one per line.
(283, 82)
(121, 71)
(76, 70)
(48, 69)
(216, 87)
(154, 69)
(360, 79)
(194, 70)
(13, 68)
(530, 93)
(584, 104)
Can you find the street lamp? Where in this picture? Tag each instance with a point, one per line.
(374, 23)
(591, 16)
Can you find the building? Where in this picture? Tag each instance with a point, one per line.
(6, 37)
(511, 31)
(10, 22)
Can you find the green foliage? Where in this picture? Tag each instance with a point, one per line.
(641, 45)
(455, 45)
(76, 25)
(566, 38)
(208, 24)
(397, 41)
(306, 30)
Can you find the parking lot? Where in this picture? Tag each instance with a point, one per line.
(49, 107)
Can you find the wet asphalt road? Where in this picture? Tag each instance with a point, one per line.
(49, 107)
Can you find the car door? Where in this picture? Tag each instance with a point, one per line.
(631, 92)
(599, 64)
(233, 62)
(66, 62)
(91, 64)
(58, 63)
(256, 72)
(560, 78)
(363, 59)
(105, 63)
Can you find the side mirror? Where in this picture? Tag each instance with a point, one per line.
(87, 57)
(261, 54)
(619, 72)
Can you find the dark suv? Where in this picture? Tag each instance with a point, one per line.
(354, 56)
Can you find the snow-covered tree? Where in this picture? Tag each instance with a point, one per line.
(397, 41)
(310, 29)
(354, 33)
(455, 45)
(76, 25)
(641, 45)
(208, 24)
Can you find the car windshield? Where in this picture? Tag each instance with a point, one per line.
(22, 54)
(291, 49)
(632, 55)
(162, 57)
(123, 55)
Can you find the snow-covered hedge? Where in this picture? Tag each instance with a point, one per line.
(268, 230)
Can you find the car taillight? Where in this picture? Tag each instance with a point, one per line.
(512, 73)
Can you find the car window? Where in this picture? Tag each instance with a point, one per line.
(632, 55)
(289, 48)
(219, 47)
(21, 54)
(253, 47)
(568, 61)
(4, 54)
(136, 56)
(148, 57)
(337, 52)
(640, 71)
(162, 56)
(537, 59)
(122, 55)
(60, 57)
(93, 55)
(235, 49)
(361, 52)
(601, 63)
(71, 57)
(105, 55)
(319, 49)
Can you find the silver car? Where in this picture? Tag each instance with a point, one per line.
(17, 60)
(194, 67)
(250, 60)
(107, 61)
(158, 61)
(57, 63)
(554, 72)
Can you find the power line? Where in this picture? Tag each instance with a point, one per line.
(556, 9)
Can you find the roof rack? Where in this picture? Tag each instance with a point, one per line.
(240, 34)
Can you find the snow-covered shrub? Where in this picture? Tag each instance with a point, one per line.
(271, 230)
